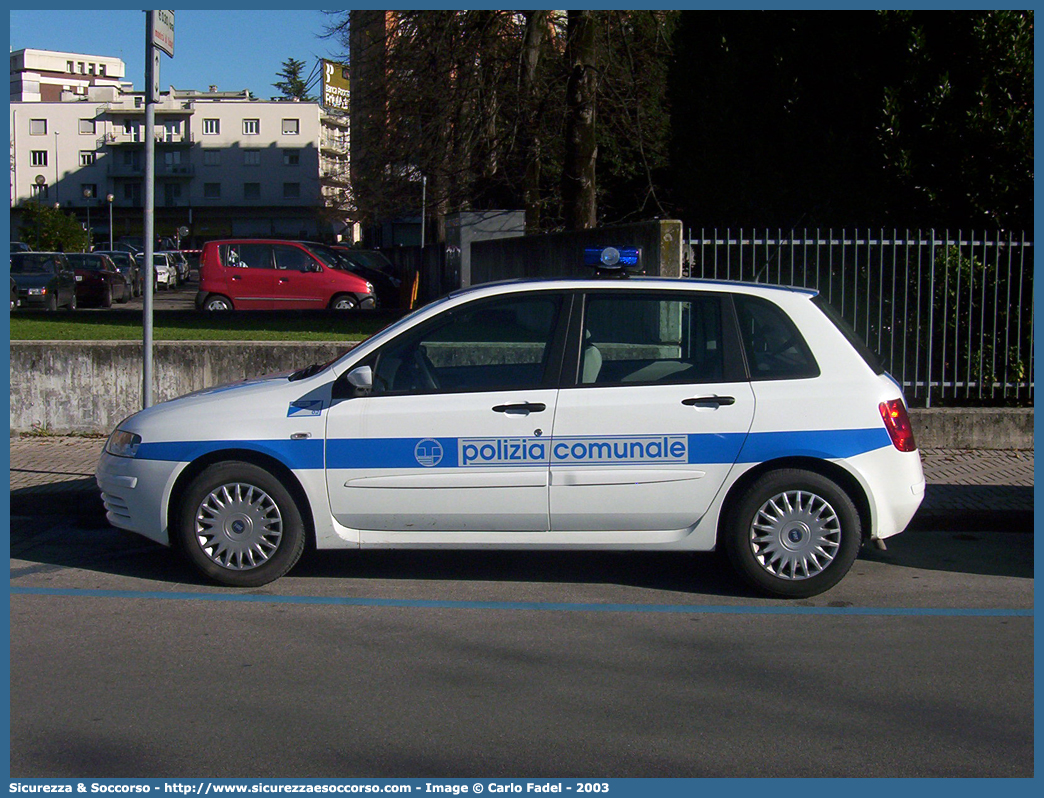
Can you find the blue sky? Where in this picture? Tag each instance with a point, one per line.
(233, 50)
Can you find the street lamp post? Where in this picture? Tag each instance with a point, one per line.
(87, 194)
(109, 198)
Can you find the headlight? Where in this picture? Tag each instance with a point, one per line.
(37, 291)
(123, 444)
(369, 287)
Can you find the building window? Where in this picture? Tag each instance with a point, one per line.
(212, 157)
(38, 192)
(90, 69)
(212, 191)
(87, 126)
(251, 127)
(291, 127)
(69, 67)
(38, 158)
(87, 157)
(251, 157)
(37, 127)
(101, 70)
(172, 158)
(211, 127)
(291, 190)
(251, 191)
(132, 193)
(81, 67)
(291, 158)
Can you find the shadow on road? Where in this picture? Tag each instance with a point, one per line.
(47, 533)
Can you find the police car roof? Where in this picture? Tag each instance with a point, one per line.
(673, 283)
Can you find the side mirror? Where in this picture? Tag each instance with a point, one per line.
(362, 380)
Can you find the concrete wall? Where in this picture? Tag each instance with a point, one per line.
(90, 386)
(562, 254)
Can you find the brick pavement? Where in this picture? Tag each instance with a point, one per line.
(964, 486)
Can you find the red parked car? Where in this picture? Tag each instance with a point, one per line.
(98, 281)
(260, 274)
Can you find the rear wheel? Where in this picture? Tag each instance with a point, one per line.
(794, 533)
(52, 302)
(217, 303)
(239, 525)
(107, 297)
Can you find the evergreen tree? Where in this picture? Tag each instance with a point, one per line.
(292, 86)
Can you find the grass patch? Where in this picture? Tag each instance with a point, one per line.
(182, 325)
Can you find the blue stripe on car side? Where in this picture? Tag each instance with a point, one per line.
(297, 455)
(828, 444)
(376, 453)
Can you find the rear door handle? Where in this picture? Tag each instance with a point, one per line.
(717, 401)
(522, 407)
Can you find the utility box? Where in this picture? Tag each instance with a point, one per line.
(463, 229)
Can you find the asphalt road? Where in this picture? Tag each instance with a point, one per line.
(472, 664)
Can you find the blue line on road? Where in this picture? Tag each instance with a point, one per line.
(692, 609)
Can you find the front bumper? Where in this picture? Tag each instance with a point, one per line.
(136, 493)
(367, 301)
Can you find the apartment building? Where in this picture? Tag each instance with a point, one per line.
(226, 164)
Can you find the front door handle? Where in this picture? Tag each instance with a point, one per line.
(522, 407)
(717, 401)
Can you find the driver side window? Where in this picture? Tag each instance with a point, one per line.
(503, 344)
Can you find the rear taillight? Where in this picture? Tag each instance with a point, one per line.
(897, 422)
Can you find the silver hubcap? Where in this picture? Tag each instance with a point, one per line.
(795, 535)
(238, 526)
(344, 304)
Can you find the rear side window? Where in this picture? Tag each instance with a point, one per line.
(247, 256)
(860, 346)
(636, 339)
(775, 349)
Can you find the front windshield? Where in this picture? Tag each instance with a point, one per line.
(325, 256)
(33, 264)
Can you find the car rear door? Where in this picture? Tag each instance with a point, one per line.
(660, 410)
(251, 274)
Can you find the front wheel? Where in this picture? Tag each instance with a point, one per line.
(343, 302)
(239, 525)
(793, 533)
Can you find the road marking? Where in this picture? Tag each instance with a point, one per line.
(540, 606)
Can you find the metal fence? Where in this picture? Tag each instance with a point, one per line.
(950, 314)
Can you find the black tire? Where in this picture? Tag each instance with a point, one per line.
(225, 539)
(52, 302)
(107, 297)
(124, 294)
(215, 303)
(793, 533)
(343, 303)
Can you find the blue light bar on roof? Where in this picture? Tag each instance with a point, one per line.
(613, 258)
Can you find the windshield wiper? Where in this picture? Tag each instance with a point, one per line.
(307, 371)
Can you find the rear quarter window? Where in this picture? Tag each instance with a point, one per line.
(774, 348)
(872, 359)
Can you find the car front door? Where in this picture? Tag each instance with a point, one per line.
(656, 419)
(454, 436)
(299, 281)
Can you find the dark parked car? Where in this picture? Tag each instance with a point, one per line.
(14, 294)
(97, 279)
(45, 280)
(375, 267)
(128, 267)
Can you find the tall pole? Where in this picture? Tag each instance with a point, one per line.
(109, 198)
(87, 199)
(152, 65)
(424, 208)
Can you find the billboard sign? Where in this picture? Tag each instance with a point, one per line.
(335, 85)
(163, 31)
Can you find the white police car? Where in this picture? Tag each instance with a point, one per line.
(626, 414)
